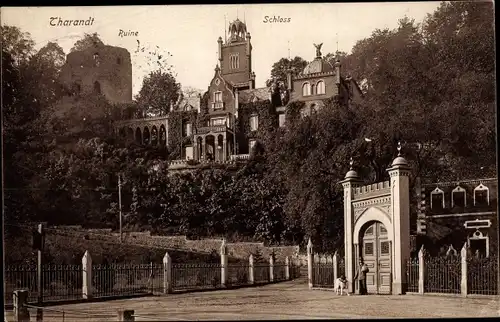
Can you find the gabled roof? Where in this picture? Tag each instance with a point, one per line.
(252, 95)
(190, 103)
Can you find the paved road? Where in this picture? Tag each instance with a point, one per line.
(290, 300)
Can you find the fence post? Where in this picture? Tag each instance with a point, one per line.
(251, 279)
(21, 312)
(126, 315)
(310, 258)
(335, 260)
(287, 268)
(463, 281)
(167, 274)
(421, 270)
(223, 263)
(271, 268)
(87, 275)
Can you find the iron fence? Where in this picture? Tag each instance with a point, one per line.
(126, 279)
(442, 274)
(237, 274)
(482, 275)
(196, 276)
(323, 275)
(261, 273)
(60, 282)
(412, 274)
(341, 267)
(294, 271)
(279, 272)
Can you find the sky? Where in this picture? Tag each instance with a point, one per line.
(190, 32)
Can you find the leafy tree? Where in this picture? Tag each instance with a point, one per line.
(281, 67)
(159, 92)
(87, 41)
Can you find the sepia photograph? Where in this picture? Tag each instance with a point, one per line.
(271, 161)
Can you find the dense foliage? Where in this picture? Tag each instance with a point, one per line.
(431, 86)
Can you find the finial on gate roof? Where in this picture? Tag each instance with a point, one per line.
(351, 163)
(399, 148)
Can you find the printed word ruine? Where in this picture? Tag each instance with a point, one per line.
(122, 33)
(57, 22)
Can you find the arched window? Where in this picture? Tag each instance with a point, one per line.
(320, 87)
(306, 89)
(234, 61)
(96, 59)
(97, 87)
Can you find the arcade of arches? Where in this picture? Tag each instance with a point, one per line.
(214, 146)
(145, 135)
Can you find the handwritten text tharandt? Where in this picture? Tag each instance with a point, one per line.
(59, 22)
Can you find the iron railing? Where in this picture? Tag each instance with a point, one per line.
(60, 282)
(238, 274)
(196, 276)
(412, 274)
(482, 276)
(126, 279)
(261, 273)
(341, 267)
(279, 272)
(323, 275)
(442, 274)
(294, 271)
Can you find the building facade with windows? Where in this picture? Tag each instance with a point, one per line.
(218, 137)
(451, 213)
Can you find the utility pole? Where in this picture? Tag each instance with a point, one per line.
(120, 205)
(39, 273)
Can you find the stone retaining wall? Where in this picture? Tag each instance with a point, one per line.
(237, 250)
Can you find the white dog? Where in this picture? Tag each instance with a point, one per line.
(340, 286)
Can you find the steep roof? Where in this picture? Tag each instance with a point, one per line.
(251, 95)
(190, 103)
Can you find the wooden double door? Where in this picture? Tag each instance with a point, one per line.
(376, 251)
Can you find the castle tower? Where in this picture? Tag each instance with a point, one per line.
(235, 56)
(100, 69)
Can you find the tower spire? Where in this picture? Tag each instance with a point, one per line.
(337, 43)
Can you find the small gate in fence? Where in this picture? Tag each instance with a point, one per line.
(327, 268)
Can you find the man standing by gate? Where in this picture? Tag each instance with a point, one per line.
(361, 277)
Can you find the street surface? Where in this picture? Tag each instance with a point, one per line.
(289, 300)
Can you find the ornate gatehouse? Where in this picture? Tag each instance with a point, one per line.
(377, 228)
